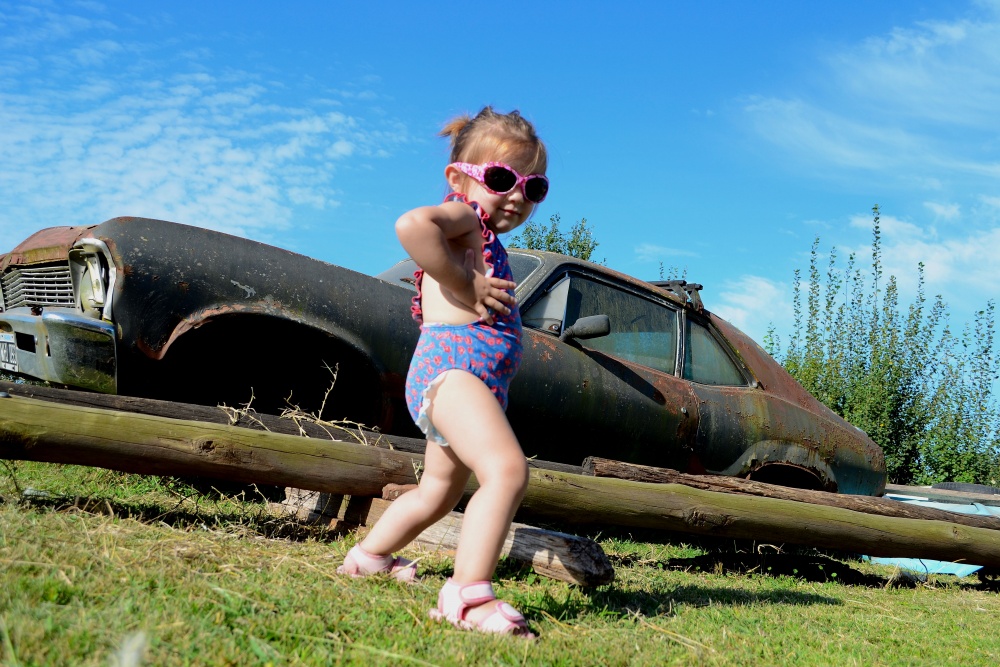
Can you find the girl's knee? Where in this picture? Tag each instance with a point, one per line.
(510, 475)
(519, 477)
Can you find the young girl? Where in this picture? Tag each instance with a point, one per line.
(469, 349)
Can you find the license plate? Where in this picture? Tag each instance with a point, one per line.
(8, 352)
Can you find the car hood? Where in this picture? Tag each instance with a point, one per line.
(47, 245)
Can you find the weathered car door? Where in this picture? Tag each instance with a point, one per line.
(732, 413)
(616, 396)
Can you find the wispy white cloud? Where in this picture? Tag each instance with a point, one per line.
(912, 112)
(754, 303)
(648, 252)
(944, 211)
(26, 25)
(105, 132)
(941, 71)
(920, 101)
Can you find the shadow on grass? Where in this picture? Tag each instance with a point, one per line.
(195, 511)
(746, 557)
(814, 568)
(610, 601)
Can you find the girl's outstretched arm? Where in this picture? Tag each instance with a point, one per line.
(425, 233)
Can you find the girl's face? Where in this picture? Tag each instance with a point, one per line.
(506, 211)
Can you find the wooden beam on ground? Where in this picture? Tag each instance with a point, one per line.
(40, 431)
(34, 430)
(676, 507)
(571, 558)
(869, 505)
(290, 424)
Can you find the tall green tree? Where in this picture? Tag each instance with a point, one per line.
(578, 242)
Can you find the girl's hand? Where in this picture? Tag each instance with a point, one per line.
(485, 295)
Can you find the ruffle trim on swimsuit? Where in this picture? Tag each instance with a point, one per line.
(416, 310)
(423, 420)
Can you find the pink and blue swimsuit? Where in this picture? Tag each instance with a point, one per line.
(490, 352)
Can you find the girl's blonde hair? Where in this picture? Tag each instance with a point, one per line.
(491, 136)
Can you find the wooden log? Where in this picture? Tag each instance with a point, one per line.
(571, 558)
(290, 424)
(309, 506)
(39, 431)
(36, 430)
(881, 506)
(675, 507)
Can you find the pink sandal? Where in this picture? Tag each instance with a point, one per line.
(360, 563)
(456, 599)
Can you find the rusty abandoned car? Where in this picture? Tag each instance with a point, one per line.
(613, 366)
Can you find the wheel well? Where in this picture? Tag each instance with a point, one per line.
(785, 474)
(269, 362)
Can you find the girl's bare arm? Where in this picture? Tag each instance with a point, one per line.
(425, 233)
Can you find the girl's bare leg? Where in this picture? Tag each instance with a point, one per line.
(468, 415)
(471, 420)
(441, 486)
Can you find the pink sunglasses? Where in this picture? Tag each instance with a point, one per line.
(500, 178)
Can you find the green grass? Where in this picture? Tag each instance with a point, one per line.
(203, 578)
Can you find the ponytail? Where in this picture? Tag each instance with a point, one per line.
(492, 132)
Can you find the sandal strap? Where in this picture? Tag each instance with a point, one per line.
(455, 598)
(504, 620)
(476, 593)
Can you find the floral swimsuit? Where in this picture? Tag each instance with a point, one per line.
(490, 352)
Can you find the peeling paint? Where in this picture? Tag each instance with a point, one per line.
(246, 288)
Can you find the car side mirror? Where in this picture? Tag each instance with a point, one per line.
(592, 326)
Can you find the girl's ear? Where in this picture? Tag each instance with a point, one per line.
(454, 177)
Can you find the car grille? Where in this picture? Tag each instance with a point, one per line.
(41, 285)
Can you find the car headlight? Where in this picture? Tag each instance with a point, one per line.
(94, 273)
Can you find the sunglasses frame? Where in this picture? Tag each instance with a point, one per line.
(478, 172)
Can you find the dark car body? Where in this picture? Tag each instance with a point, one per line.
(157, 309)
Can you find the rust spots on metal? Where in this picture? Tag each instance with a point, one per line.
(548, 342)
(47, 245)
(148, 350)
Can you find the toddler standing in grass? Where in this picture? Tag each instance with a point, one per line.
(468, 351)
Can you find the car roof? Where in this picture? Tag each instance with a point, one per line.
(671, 290)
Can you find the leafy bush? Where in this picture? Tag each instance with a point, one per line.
(579, 242)
(922, 392)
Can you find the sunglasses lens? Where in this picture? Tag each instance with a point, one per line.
(499, 179)
(535, 189)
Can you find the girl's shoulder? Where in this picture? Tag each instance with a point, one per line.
(462, 199)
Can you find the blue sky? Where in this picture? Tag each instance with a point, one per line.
(716, 137)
